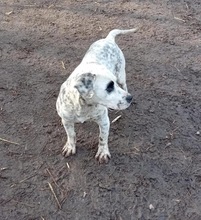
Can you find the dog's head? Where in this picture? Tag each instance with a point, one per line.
(102, 89)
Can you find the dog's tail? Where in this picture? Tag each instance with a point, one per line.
(116, 32)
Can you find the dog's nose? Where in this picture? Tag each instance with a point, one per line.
(129, 98)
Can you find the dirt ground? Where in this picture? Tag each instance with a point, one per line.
(155, 170)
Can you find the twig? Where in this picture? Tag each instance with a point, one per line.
(118, 117)
(22, 203)
(136, 149)
(4, 168)
(177, 69)
(130, 152)
(105, 187)
(52, 177)
(31, 5)
(179, 19)
(128, 140)
(63, 66)
(11, 142)
(68, 166)
(21, 181)
(8, 13)
(50, 6)
(52, 190)
(63, 200)
(84, 195)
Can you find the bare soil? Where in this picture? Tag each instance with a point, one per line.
(155, 170)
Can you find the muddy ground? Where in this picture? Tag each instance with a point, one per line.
(155, 170)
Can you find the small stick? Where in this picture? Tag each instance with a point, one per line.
(136, 149)
(8, 13)
(179, 19)
(104, 187)
(4, 168)
(84, 195)
(52, 190)
(177, 69)
(30, 5)
(52, 177)
(68, 166)
(29, 177)
(50, 6)
(128, 140)
(11, 142)
(63, 200)
(63, 66)
(118, 117)
(21, 181)
(31, 206)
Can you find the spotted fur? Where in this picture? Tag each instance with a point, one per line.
(98, 83)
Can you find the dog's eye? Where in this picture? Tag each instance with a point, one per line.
(110, 87)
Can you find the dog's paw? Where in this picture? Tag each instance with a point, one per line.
(103, 156)
(68, 150)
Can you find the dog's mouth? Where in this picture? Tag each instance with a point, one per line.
(118, 108)
(122, 106)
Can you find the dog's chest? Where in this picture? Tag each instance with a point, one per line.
(81, 118)
(87, 114)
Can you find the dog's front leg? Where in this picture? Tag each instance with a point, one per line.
(103, 154)
(69, 148)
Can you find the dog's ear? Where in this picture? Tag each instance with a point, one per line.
(84, 85)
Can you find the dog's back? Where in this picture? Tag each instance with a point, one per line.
(106, 52)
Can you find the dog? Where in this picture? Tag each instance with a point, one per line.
(96, 84)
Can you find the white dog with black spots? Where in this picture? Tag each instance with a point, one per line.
(98, 83)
